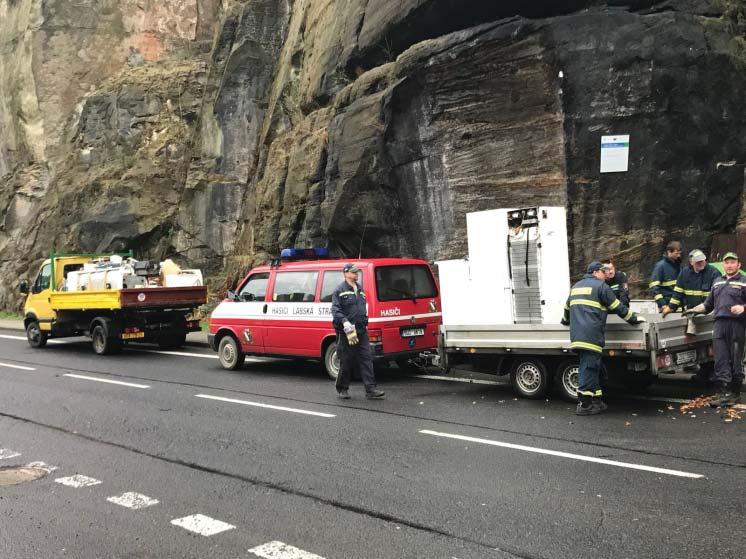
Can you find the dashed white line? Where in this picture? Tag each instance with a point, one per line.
(279, 550)
(202, 525)
(6, 453)
(77, 481)
(267, 406)
(580, 457)
(107, 381)
(133, 500)
(19, 367)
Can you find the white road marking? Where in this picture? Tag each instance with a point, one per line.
(133, 500)
(187, 354)
(23, 338)
(107, 381)
(42, 465)
(7, 337)
(279, 550)
(202, 525)
(457, 379)
(77, 481)
(580, 457)
(6, 453)
(268, 406)
(19, 367)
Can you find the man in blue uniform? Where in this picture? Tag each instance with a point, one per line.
(727, 299)
(665, 273)
(350, 319)
(693, 284)
(617, 281)
(586, 311)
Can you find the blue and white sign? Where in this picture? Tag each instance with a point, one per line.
(614, 154)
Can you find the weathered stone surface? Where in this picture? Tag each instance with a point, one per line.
(218, 131)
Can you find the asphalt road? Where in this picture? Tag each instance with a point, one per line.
(277, 467)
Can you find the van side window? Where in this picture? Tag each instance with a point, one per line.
(295, 287)
(256, 288)
(332, 278)
(43, 279)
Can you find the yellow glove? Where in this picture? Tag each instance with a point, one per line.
(666, 310)
(352, 338)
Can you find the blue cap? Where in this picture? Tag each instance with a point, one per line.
(350, 268)
(595, 266)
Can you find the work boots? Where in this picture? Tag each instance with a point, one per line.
(374, 394)
(589, 406)
(723, 397)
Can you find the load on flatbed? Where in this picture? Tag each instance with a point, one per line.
(113, 299)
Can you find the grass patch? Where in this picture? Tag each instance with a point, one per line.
(10, 315)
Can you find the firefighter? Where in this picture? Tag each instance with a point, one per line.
(665, 273)
(693, 284)
(586, 311)
(617, 281)
(728, 299)
(350, 319)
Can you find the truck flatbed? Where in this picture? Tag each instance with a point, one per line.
(122, 299)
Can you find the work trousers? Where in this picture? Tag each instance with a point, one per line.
(727, 344)
(589, 383)
(352, 359)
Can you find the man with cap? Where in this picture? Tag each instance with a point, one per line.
(586, 310)
(350, 319)
(727, 299)
(693, 284)
(665, 273)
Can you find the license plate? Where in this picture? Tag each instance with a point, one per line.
(133, 336)
(412, 332)
(686, 357)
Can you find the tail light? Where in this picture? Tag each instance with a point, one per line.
(664, 361)
(132, 330)
(376, 336)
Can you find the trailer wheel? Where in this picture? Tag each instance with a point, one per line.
(331, 361)
(102, 344)
(530, 378)
(230, 354)
(568, 379)
(35, 335)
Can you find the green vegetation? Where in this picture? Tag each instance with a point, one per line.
(10, 315)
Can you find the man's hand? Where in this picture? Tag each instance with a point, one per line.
(352, 338)
(700, 309)
(347, 327)
(637, 319)
(564, 322)
(666, 310)
(737, 309)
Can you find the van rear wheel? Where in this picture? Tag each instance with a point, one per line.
(35, 335)
(331, 361)
(530, 378)
(230, 354)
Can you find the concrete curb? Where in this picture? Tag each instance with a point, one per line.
(194, 339)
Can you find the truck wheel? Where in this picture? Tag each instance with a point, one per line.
(530, 378)
(102, 345)
(568, 380)
(35, 335)
(230, 354)
(331, 361)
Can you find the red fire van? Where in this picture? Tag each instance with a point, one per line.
(283, 309)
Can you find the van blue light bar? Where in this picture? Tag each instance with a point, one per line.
(305, 253)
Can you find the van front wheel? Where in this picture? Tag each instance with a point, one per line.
(331, 361)
(35, 335)
(230, 354)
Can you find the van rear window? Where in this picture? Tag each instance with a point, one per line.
(410, 281)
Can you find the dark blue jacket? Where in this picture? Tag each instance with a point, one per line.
(692, 288)
(620, 286)
(349, 305)
(587, 308)
(724, 294)
(663, 280)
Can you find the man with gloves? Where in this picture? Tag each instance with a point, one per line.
(586, 310)
(350, 319)
(728, 299)
(693, 284)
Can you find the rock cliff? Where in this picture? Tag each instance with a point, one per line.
(219, 131)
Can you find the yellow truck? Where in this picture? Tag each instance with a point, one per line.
(110, 315)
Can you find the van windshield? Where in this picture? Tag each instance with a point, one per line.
(410, 281)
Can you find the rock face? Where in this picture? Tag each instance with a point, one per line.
(219, 132)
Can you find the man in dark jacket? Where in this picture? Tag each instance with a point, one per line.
(350, 319)
(665, 273)
(586, 311)
(727, 299)
(617, 281)
(693, 284)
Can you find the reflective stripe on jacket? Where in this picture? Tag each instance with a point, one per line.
(587, 308)
(692, 288)
(663, 280)
(620, 286)
(725, 293)
(349, 304)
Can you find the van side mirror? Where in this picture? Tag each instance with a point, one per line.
(247, 297)
(23, 287)
(231, 295)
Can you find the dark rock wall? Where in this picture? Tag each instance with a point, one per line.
(220, 131)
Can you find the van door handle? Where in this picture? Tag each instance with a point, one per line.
(264, 310)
